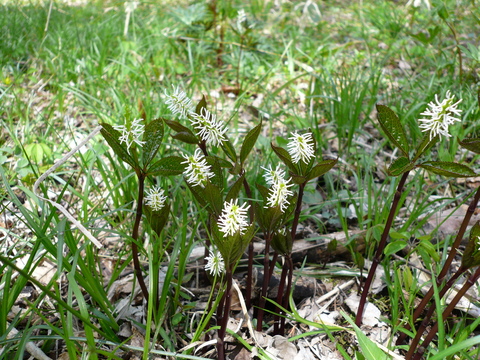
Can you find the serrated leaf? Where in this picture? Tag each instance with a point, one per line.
(235, 189)
(471, 144)
(229, 149)
(249, 142)
(449, 169)
(153, 137)
(111, 136)
(424, 145)
(320, 169)
(218, 177)
(185, 137)
(199, 194)
(400, 166)
(282, 244)
(285, 157)
(392, 127)
(170, 165)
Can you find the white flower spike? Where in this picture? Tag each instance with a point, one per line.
(279, 194)
(208, 127)
(179, 103)
(215, 264)
(197, 171)
(233, 218)
(300, 147)
(273, 176)
(131, 133)
(418, 3)
(440, 116)
(155, 198)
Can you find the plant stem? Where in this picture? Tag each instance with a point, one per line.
(287, 292)
(381, 247)
(135, 235)
(266, 281)
(281, 289)
(224, 318)
(251, 214)
(461, 231)
(468, 284)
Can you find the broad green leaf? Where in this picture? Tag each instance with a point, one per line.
(369, 349)
(392, 127)
(263, 191)
(218, 178)
(281, 243)
(471, 144)
(394, 247)
(112, 136)
(321, 168)
(471, 255)
(152, 136)
(446, 168)
(213, 195)
(37, 151)
(176, 126)
(185, 137)
(284, 157)
(249, 142)
(229, 149)
(298, 179)
(170, 165)
(157, 219)
(235, 189)
(400, 166)
(202, 104)
(199, 194)
(424, 145)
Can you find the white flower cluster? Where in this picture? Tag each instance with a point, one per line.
(208, 127)
(197, 171)
(233, 218)
(279, 192)
(179, 103)
(131, 133)
(300, 147)
(215, 264)
(440, 116)
(155, 198)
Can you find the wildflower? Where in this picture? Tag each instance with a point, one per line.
(279, 194)
(215, 264)
(208, 127)
(233, 218)
(301, 147)
(417, 3)
(179, 103)
(155, 198)
(131, 132)
(273, 176)
(441, 116)
(197, 171)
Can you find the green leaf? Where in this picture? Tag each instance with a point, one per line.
(213, 195)
(298, 179)
(449, 169)
(202, 104)
(152, 136)
(263, 191)
(249, 142)
(471, 144)
(394, 247)
(170, 165)
(443, 12)
(281, 243)
(456, 348)
(471, 255)
(284, 157)
(229, 149)
(185, 137)
(157, 219)
(111, 136)
(218, 178)
(176, 126)
(321, 168)
(400, 166)
(393, 128)
(199, 194)
(424, 145)
(369, 349)
(235, 189)
(37, 151)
